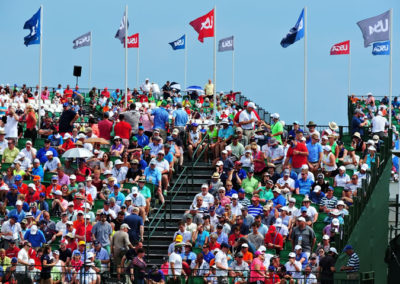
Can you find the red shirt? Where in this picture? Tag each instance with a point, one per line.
(68, 93)
(105, 93)
(40, 188)
(22, 188)
(12, 252)
(72, 246)
(232, 238)
(214, 246)
(68, 145)
(105, 127)
(298, 160)
(123, 129)
(29, 198)
(30, 121)
(277, 239)
(52, 188)
(79, 227)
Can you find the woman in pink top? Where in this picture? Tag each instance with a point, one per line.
(45, 94)
(146, 120)
(257, 268)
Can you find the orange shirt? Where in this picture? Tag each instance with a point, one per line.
(68, 145)
(50, 189)
(248, 256)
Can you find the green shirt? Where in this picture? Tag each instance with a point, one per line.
(265, 194)
(276, 128)
(145, 191)
(237, 150)
(249, 185)
(10, 155)
(213, 135)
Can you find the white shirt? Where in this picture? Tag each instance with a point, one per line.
(119, 174)
(208, 199)
(11, 127)
(290, 268)
(283, 230)
(22, 255)
(51, 165)
(176, 259)
(311, 279)
(88, 276)
(221, 259)
(162, 165)
(236, 210)
(342, 180)
(61, 227)
(146, 87)
(8, 228)
(3, 145)
(378, 124)
(25, 164)
(274, 153)
(92, 190)
(289, 181)
(245, 116)
(28, 154)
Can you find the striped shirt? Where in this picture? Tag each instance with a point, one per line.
(354, 262)
(244, 202)
(330, 203)
(255, 210)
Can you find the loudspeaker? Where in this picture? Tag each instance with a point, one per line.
(77, 71)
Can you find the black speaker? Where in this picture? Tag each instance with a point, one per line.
(77, 71)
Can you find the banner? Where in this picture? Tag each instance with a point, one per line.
(381, 48)
(296, 33)
(375, 29)
(179, 43)
(204, 25)
(83, 40)
(121, 30)
(133, 41)
(225, 44)
(33, 24)
(341, 48)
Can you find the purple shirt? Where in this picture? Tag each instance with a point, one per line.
(64, 180)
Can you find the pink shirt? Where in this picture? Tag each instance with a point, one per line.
(254, 275)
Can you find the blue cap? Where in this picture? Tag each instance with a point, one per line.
(141, 127)
(347, 247)
(224, 245)
(169, 138)
(14, 260)
(54, 178)
(14, 186)
(194, 124)
(331, 188)
(241, 190)
(14, 216)
(18, 178)
(212, 208)
(303, 208)
(116, 185)
(42, 194)
(65, 104)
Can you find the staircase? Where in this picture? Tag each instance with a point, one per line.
(165, 223)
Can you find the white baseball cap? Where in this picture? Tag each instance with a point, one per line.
(297, 247)
(49, 153)
(335, 222)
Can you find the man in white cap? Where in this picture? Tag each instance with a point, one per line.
(52, 163)
(341, 179)
(119, 171)
(29, 151)
(139, 201)
(293, 266)
(59, 204)
(208, 198)
(276, 127)
(11, 126)
(68, 144)
(379, 125)
(120, 244)
(304, 236)
(248, 120)
(225, 134)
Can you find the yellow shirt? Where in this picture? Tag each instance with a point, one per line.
(10, 155)
(209, 89)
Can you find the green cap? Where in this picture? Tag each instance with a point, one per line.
(146, 148)
(351, 149)
(134, 138)
(164, 103)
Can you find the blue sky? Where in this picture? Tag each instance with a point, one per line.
(265, 72)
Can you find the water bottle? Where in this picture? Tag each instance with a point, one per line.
(300, 239)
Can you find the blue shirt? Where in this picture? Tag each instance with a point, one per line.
(279, 200)
(225, 133)
(38, 171)
(155, 175)
(41, 154)
(161, 117)
(142, 140)
(230, 192)
(169, 157)
(299, 257)
(102, 254)
(188, 256)
(119, 199)
(20, 215)
(12, 199)
(313, 152)
(316, 198)
(255, 210)
(36, 240)
(208, 257)
(304, 186)
(355, 125)
(154, 149)
(181, 117)
(223, 238)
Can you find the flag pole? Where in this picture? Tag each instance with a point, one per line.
(185, 61)
(349, 83)
(390, 66)
(233, 69)
(90, 60)
(40, 61)
(305, 66)
(215, 64)
(126, 56)
(137, 68)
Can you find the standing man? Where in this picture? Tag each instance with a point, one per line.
(327, 266)
(135, 222)
(248, 119)
(209, 89)
(175, 264)
(221, 262)
(180, 118)
(304, 236)
(105, 127)
(123, 129)
(161, 119)
(276, 128)
(353, 263)
(358, 123)
(67, 119)
(132, 117)
(299, 154)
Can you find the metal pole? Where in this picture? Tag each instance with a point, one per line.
(40, 62)
(137, 68)
(215, 64)
(185, 70)
(390, 67)
(305, 66)
(126, 56)
(233, 70)
(397, 210)
(349, 69)
(90, 60)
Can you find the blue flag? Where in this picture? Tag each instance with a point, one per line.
(296, 33)
(381, 48)
(33, 24)
(179, 43)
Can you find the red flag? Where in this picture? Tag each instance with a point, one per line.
(133, 41)
(341, 48)
(204, 25)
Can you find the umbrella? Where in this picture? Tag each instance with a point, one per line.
(77, 153)
(198, 89)
(176, 86)
(97, 140)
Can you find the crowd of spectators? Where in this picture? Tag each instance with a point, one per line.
(270, 212)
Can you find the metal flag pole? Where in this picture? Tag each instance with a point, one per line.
(305, 66)
(185, 61)
(40, 62)
(90, 60)
(137, 68)
(126, 56)
(215, 64)
(390, 66)
(233, 69)
(349, 69)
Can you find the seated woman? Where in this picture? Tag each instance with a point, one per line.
(117, 148)
(371, 157)
(328, 161)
